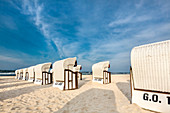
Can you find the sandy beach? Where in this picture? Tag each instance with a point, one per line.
(18, 96)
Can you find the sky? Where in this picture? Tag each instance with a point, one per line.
(39, 31)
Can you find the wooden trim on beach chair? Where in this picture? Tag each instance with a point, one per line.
(45, 78)
(80, 75)
(68, 81)
(106, 77)
(131, 82)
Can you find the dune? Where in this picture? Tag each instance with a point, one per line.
(90, 97)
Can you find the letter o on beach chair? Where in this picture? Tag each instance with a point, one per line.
(63, 75)
(100, 72)
(150, 76)
(77, 69)
(42, 73)
(31, 74)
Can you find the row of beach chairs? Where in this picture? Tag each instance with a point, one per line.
(63, 74)
(149, 75)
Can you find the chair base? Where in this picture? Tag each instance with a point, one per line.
(98, 80)
(59, 85)
(153, 101)
(39, 82)
(23, 78)
(30, 80)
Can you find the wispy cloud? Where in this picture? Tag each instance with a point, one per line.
(130, 19)
(35, 10)
(10, 59)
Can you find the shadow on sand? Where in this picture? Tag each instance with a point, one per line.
(91, 101)
(14, 85)
(17, 92)
(82, 82)
(122, 86)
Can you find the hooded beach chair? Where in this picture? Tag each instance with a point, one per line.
(31, 74)
(64, 76)
(17, 74)
(20, 74)
(150, 76)
(100, 72)
(25, 74)
(77, 69)
(42, 74)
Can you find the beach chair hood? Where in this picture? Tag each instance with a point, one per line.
(41, 68)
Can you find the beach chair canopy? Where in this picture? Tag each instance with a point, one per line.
(60, 66)
(41, 68)
(151, 66)
(31, 71)
(98, 68)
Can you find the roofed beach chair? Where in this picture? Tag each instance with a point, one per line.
(31, 74)
(20, 74)
(150, 76)
(64, 76)
(77, 69)
(25, 74)
(100, 72)
(42, 74)
(17, 74)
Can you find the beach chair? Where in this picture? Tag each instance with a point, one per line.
(100, 72)
(20, 74)
(42, 74)
(25, 74)
(17, 74)
(31, 74)
(150, 76)
(63, 75)
(77, 69)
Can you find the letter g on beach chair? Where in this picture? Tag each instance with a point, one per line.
(100, 72)
(150, 76)
(63, 75)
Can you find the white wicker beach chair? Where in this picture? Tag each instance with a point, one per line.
(42, 74)
(17, 74)
(63, 75)
(20, 74)
(150, 76)
(25, 74)
(31, 74)
(100, 72)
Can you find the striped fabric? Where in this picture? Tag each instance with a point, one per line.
(151, 66)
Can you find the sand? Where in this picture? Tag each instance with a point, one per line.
(18, 96)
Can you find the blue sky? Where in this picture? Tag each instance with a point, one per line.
(38, 31)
